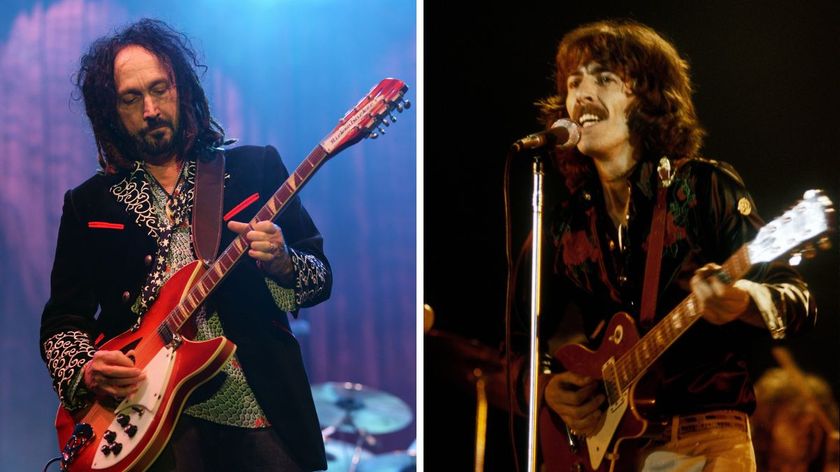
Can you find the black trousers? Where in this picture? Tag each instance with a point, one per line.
(201, 446)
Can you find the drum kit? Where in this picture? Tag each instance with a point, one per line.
(360, 411)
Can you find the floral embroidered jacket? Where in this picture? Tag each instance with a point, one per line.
(709, 215)
(109, 249)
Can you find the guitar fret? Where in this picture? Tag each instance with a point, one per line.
(676, 320)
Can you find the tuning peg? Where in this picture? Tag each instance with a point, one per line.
(373, 135)
(393, 118)
(381, 130)
(386, 122)
(809, 252)
(407, 104)
(795, 259)
(399, 107)
(824, 243)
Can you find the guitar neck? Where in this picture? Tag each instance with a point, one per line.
(375, 109)
(634, 363)
(217, 271)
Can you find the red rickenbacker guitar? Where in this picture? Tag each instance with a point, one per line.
(623, 357)
(113, 436)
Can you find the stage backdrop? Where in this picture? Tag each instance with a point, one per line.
(279, 72)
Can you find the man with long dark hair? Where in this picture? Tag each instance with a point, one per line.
(128, 229)
(630, 92)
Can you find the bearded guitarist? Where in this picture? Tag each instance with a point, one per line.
(629, 91)
(160, 201)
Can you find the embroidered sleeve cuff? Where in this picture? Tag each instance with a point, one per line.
(66, 353)
(311, 277)
(763, 299)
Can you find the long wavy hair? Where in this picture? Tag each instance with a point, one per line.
(661, 118)
(95, 81)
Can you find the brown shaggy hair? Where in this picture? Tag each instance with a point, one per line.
(95, 80)
(662, 118)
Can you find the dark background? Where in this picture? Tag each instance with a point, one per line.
(767, 90)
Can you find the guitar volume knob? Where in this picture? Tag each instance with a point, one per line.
(131, 430)
(122, 419)
(110, 436)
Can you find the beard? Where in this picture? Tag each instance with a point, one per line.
(153, 141)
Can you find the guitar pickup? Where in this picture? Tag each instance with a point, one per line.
(612, 385)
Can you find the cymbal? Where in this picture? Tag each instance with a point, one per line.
(391, 462)
(352, 406)
(340, 454)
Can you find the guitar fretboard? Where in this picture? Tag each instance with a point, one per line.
(635, 362)
(233, 253)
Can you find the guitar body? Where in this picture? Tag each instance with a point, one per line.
(173, 371)
(563, 452)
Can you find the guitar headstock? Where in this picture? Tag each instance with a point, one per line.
(796, 230)
(369, 117)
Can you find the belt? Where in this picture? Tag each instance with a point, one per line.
(677, 427)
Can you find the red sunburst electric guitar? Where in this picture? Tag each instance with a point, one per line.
(128, 435)
(623, 357)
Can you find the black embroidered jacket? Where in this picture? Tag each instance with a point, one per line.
(709, 215)
(107, 245)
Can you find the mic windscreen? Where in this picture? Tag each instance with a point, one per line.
(566, 133)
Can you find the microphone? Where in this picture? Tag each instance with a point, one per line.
(563, 133)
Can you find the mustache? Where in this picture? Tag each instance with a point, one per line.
(590, 108)
(155, 123)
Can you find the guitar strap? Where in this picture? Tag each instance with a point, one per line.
(207, 205)
(656, 239)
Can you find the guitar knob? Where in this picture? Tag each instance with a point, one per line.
(116, 448)
(824, 243)
(110, 436)
(131, 430)
(106, 449)
(122, 419)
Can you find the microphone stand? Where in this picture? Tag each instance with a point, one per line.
(536, 271)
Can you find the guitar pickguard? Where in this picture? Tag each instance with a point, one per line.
(140, 410)
(599, 444)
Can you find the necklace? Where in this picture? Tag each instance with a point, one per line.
(169, 205)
